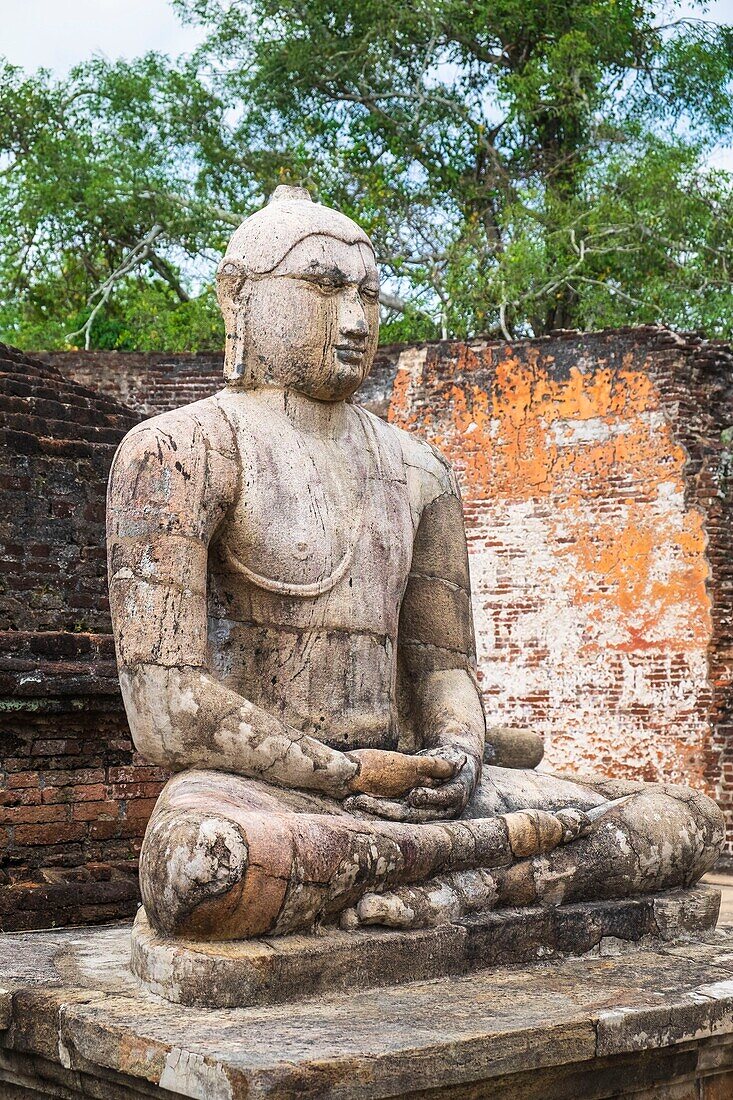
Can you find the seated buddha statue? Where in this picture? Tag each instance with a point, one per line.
(291, 603)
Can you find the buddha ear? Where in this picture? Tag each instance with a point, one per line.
(230, 276)
(230, 283)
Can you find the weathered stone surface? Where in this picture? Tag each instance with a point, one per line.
(284, 968)
(654, 1027)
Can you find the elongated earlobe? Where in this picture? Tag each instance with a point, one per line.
(233, 302)
(235, 348)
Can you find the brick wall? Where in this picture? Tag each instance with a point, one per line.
(74, 797)
(58, 440)
(74, 802)
(149, 382)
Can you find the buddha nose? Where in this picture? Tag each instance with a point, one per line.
(352, 318)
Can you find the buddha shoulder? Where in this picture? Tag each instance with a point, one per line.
(182, 459)
(429, 473)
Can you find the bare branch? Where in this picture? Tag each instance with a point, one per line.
(218, 212)
(166, 272)
(134, 258)
(502, 321)
(393, 301)
(400, 305)
(614, 290)
(474, 47)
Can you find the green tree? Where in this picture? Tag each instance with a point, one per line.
(101, 228)
(521, 166)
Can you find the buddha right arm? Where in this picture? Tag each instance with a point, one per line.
(172, 482)
(182, 717)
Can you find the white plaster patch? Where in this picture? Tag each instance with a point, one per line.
(550, 659)
(670, 497)
(566, 433)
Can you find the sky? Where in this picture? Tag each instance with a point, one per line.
(58, 33)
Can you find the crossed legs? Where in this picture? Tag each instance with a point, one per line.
(650, 837)
(227, 858)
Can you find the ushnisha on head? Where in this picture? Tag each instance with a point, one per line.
(299, 291)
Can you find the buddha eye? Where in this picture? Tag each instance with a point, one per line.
(326, 286)
(369, 293)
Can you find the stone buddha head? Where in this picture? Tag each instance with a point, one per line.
(299, 291)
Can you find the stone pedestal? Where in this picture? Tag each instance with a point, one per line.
(285, 968)
(74, 1022)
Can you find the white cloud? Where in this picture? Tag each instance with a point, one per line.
(57, 34)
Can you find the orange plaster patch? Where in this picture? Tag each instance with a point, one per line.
(591, 459)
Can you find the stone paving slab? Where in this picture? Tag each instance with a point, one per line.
(77, 1024)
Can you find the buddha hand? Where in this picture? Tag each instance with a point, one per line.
(450, 798)
(451, 794)
(392, 774)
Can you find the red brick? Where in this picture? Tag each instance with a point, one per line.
(55, 748)
(26, 796)
(49, 834)
(78, 776)
(89, 792)
(136, 773)
(22, 779)
(95, 811)
(132, 828)
(93, 792)
(11, 815)
(103, 830)
(140, 807)
(135, 790)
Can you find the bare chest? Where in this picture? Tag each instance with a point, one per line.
(318, 518)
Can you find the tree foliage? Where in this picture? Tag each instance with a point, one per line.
(521, 165)
(99, 193)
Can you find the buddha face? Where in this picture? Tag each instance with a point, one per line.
(312, 323)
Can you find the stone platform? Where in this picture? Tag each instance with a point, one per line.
(656, 1025)
(285, 968)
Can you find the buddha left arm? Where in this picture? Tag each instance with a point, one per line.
(437, 651)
